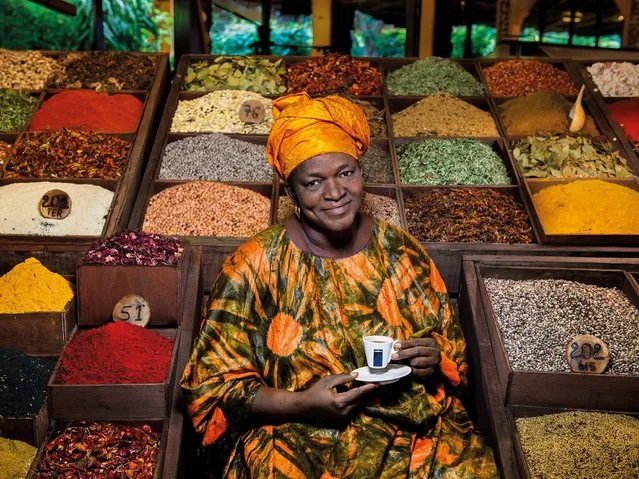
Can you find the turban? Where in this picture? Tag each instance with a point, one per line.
(306, 127)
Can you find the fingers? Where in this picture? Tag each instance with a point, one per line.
(423, 373)
(338, 379)
(416, 352)
(352, 396)
(411, 343)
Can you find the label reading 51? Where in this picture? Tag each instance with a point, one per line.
(133, 309)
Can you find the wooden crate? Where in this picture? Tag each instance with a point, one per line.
(32, 430)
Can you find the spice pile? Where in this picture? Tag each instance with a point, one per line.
(626, 113)
(587, 445)
(23, 383)
(116, 353)
(521, 77)
(616, 78)
(450, 162)
(15, 109)
(548, 313)
(135, 248)
(215, 157)
(68, 154)
(219, 112)
(334, 73)
(432, 75)
(207, 209)
(19, 209)
(102, 450)
(541, 112)
(467, 216)
(378, 206)
(588, 207)
(88, 110)
(27, 70)
(443, 115)
(30, 287)
(5, 148)
(568, 157)
(375, 116)
(15, 458)
(376, 165)
(260, 75)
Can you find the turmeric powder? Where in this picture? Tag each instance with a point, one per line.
(15, 458)
(588, 207)
(30, 287)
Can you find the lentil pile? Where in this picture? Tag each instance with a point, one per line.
(443, 115)
(467, 216)
(376, 165)
(23, 383)
(616, 78)
(68, 154)
(432, 75)
(541, 112)
(378, 206)
(218, 111)
(103, 450)
(15, 109)
(19, 209)
(135, 248)
(27, 70)
(334, 73)
(450, 162)
(568, 157)
(215, 157)
(626, 113)
(521, 77)
(547, 313)
(207, 209)
(260, 75)
(15, 458)
(587, 445)
(588, 207)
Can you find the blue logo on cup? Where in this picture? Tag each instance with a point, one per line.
(378, 358)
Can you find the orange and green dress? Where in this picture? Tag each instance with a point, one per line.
(284, 318)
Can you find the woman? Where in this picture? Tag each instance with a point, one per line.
(270, 376)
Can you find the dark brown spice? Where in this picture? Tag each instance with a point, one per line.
(5, 148)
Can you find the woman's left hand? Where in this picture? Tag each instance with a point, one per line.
(421, 354)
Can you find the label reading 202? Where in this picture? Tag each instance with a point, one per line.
(55, 204)
(133, 309)
(587, 354)
(252, 111)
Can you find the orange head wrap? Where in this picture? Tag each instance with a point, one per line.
(306, 127)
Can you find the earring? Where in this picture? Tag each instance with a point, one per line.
(298, 212)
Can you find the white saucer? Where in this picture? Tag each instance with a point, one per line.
(392, 373)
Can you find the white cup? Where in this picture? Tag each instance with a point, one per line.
(378, 351)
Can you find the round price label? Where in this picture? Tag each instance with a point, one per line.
(587, 354)
(133, 309)
(55, 204)
(252, 111)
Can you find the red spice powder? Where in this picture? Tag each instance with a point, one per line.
(88, 110)
(626, 113)
(116, 353)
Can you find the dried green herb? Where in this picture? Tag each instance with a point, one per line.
(259, 75)
(451, 162)
(376, 165)
(568, 157)
(15, 109)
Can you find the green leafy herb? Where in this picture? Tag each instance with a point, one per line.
(15, 109)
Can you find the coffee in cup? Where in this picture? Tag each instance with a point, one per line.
(378, 351)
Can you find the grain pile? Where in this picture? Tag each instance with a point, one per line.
(28, 70)
(616, 78)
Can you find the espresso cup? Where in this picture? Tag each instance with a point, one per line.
(378, 351)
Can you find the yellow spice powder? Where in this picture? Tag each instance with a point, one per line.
(15, 458)
(30, 287)
(588, 207)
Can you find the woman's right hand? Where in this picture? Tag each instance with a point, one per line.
(323, 401)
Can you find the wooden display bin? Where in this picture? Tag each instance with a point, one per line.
(114, 401)
(32, 430)
(101, 286)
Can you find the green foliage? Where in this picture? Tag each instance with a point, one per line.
(374, 38)
(483, 38)
(531, 34)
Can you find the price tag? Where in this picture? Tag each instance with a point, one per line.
(252, 111)
(133, 309)
(55, 204)
(587, 354)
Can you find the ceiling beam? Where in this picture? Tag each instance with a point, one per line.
(59, 6)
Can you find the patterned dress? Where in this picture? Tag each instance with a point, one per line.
(284, 318)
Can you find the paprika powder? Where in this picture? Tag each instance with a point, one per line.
(626, 113)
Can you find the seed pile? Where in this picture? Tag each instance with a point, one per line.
(376, 165)
(467, 216)
(135, 248)
(616, 78)
(215, 157)
(568, 157)
(260, 75)
(15, 109)
(19, 209)
(626, 113)
(28, 70)
(541, 112)
(587, 445)
(432, 75)
(378, 206)
(207, 209)
(443, 115)
(521, 77)
(334, 73)
(68, 154)
(219, 112)
(451, 162)
(547, 313)
(15, 458)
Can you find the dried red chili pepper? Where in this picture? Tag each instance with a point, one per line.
(136, 248)
(521, 77)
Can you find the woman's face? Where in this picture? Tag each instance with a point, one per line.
(329, 190)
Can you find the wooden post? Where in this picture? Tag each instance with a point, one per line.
(321, 25)
(426, 28)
